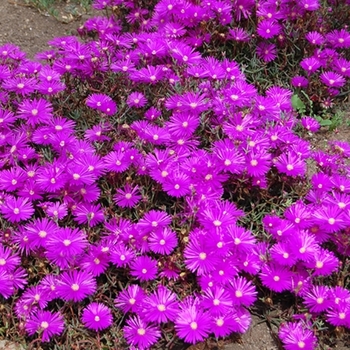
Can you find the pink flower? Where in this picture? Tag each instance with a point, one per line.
(103, 103)
(136, 99)
(163, 241)
(128, 196)
(17, 209)
(97, 316)
(144, 268)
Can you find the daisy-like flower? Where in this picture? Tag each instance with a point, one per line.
(8, 260)
(310, 64)
(332, 79)
(239, 34)
(303, 245)
(297, 336)
(217, 301)
(258, 163)
(324, 263)
(128, 196)
(35, 111)
(299, 81)
(341, 66)
(243, 240)
(339, 316)
(140, 334)
(95, 261)
(160, 306)
(136, 99)
(291, 164)
(162, 241)
(154, 220)
(266, 51)
(199, 258)
(57, 211)
(97, 316)
(317, 299)
(309, 5)
(310, 124)
(75, 285)
(315, 38)
(121, 255)
(89, 214)
(38, 231)
(116, 161)
(65, 245)
(242, 292)
(20, 85)
(339, 38)
(102, 102)
(224, 325)
(130, 299)
(192, 324)
(45, 323)
(17, 209)
(330, 217)
(177, 184)
(275, 277)
(144, 268)
(6, 284)
(35, 295)
(268, 29)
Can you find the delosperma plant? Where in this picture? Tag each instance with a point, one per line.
(155, 181)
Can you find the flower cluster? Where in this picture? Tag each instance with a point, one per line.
(133, 155)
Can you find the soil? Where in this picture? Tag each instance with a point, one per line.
(26, 27)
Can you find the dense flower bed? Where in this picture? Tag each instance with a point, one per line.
(133, 157)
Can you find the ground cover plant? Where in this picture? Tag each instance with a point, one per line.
(155, 176)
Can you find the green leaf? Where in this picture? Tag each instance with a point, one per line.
(325, 122)
(298, 104)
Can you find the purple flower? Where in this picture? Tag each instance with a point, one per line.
(192, 324)
(17, 209)
(268, 28)
(297, 336)
(163, 241)
(291, 164)
(217, 301)
(332, 79)
(35, 111)
(75, 285)
(242, 292)
(45, 323)
(317, 299)
(65, 245)
(310, 124)
(314, 38)
(6, 284)
(299, 81)
(144, 268)
(310, 64)
(160, 306)
(128, 196)
(102, 103)
(266, 51)
(140, 334)
(97, 316)
(275, 277)
(89, 214)
(130, 299)
(136, 99)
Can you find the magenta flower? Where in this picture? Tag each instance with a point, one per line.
(297, 336)
(177, 184)
(65, 245)
(332, 79)
(192, 324)
(217, 301)
(130, 299)
(6, 284)
(310, 64)
(136, 99)
(268, 29)
(315, 38)
(8, 259)
(310, 124)
(140, 334)
(128, 196)
(243, 292)
(317, 299)
(154, 220)
(291, 164)
(299, 81)
(45, 323)
(89, 214)
(160, 306)
(163, 241)
(97, 316)
(35, 111)
(17, 209)
(266, 51)
(144, 268)
(103, 103)
(75, 285)
(275, 277)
